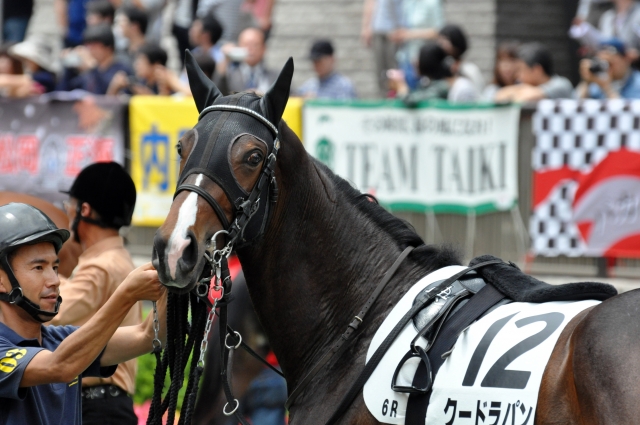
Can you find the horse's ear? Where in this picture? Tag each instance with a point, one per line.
(202, 88)
(275, 99)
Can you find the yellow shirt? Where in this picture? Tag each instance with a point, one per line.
(100, 270)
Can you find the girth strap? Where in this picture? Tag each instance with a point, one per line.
(207, 197)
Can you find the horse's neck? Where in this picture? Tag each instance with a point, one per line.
(317, 265)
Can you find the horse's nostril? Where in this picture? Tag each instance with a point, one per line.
(190, 252)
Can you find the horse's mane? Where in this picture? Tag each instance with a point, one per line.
(400, 230)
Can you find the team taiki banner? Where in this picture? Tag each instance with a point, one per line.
(586, 194)
(46, 141)
(437, 157)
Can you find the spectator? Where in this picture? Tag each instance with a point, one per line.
(504, 70)
(327, 84)
(442, 78)
(182, 21)
(149, 67)
(609, 75)
(71, 17)
(44, 377)
(380, 19)
(100, 12)
(92, 67)
(15, 18)
(261, 11)
(8, 64)
(454, 41)
(133, 26)
(421, 20)
(621, 22)
(153, 9)
(204, 34)
(247, 70)
(228, 12)
(536, 77)
(101, 201)
(38, 63)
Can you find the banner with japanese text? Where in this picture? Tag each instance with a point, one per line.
(586, 178)
(156, 124)
(45, 141)
(436, 157)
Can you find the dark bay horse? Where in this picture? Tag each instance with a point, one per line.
(314, 257)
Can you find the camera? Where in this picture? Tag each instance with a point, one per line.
(237, 54)
(598, 66)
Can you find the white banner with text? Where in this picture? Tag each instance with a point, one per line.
(440, 158)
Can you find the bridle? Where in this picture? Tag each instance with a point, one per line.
(245, 207)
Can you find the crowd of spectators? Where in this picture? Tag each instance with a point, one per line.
(134, 47)
(523, 72)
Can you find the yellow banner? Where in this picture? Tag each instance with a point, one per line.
(156, 123)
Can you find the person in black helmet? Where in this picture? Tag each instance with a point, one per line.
(42, 367)
(101, 201)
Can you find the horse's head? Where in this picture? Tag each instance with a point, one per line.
(227, 176)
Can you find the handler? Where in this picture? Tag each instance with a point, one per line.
(41, 367)
(101, 201)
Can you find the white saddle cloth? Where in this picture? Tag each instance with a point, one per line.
(493, 373)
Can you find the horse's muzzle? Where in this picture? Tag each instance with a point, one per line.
(187, 268)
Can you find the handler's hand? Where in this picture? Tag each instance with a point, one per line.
(143, 284)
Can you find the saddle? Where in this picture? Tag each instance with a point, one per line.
(472, 296)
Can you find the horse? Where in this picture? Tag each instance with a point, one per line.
(71, 250)
(312, 257)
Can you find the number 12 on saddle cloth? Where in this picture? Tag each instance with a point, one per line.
(493, 373)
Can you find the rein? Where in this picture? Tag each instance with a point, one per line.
(339, 346)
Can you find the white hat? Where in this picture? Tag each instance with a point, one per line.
(36, 52)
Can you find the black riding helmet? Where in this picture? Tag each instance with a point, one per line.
(22, 224)
(110, 191)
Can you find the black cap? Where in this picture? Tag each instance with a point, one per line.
(109, 189)
(22, 224)
(320, 48)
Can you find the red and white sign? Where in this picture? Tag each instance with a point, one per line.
(586, 184)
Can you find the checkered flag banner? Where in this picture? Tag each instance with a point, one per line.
(586, 185)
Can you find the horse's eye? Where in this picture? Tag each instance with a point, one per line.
(179, 149)
(255, 158)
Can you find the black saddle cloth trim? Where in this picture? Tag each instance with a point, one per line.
(521, 287)
(486, 298)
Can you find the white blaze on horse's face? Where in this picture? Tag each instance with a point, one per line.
(179, 240)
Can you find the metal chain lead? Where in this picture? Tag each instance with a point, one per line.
(205, 339)
(156, 344)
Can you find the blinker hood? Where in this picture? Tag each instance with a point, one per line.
(223, 119)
